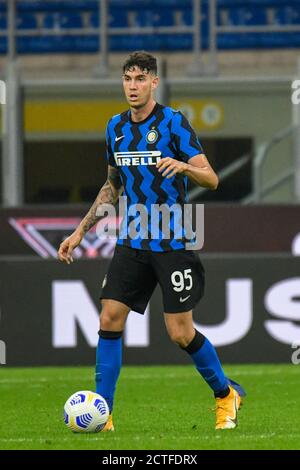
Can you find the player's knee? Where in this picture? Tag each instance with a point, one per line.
(179, 337)
(110, 320)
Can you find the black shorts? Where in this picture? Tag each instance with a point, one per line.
(133, 275)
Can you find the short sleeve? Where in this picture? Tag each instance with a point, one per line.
(108, 150)
(185, 139)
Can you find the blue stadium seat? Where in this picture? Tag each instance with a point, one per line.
(3, 45)
(164, 18)
(237, 41)
(57, 5)
(52, 20)
(187, 20)
(127, 42)
(287, 15)
(247, 16)
(57, 44)
(3, 21)
(63, 20)
(173, 4)
(143, 18)
(94, 20)
(154, 18)
(26, 21)
(186, 17)
(115, 19)
(258, 41)
(178, 42)
(118, 18)
(133, 4)
(3, 6)
(71, 20)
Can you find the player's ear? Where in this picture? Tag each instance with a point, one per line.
(154, 83)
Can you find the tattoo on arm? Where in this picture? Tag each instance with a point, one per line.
(108, 194)
(114, 178)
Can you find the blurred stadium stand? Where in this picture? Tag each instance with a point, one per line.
(73, 25)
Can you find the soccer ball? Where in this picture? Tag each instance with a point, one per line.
(86, 412)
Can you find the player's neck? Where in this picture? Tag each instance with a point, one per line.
(140, 114)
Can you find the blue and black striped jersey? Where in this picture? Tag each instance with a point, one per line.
(135, 148)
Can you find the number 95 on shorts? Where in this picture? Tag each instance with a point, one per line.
(133, 275)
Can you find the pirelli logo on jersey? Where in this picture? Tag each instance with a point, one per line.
(147, 157)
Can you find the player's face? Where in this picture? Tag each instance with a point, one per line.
(138, 86)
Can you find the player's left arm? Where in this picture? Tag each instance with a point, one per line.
(196, 169)
(190, 160)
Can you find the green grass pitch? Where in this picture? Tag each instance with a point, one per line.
(166, 407)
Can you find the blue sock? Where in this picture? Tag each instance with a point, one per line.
(108, 364)
(208, 364)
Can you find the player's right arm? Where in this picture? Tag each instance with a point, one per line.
(108, 194)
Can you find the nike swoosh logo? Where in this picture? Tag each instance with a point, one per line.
(234, 418)
(184, 299)
(119, 138)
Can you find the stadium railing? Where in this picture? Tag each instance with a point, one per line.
(260, 189)
(258, 159)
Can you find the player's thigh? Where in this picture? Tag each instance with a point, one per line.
(181, 277)
(130, 279)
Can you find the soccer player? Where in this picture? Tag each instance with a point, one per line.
(151, 151)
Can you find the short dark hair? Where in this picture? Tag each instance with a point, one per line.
(143, 60)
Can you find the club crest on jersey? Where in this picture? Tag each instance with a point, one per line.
(152, 136)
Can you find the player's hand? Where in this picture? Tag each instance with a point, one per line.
(170, 166)
(67, 246)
